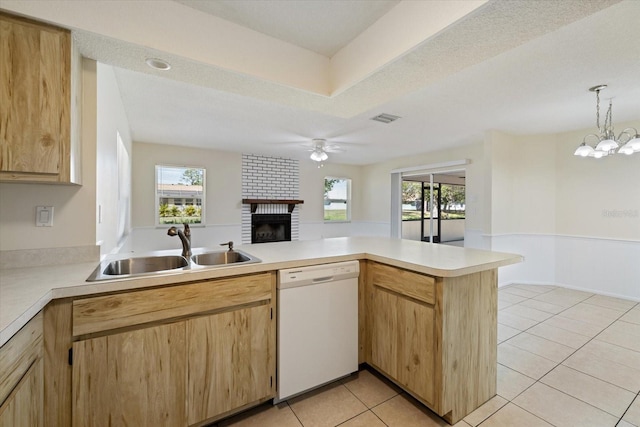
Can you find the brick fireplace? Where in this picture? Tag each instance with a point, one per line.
(269, 185)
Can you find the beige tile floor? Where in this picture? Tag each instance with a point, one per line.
(565, 358)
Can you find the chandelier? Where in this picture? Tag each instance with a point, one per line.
(606, 142)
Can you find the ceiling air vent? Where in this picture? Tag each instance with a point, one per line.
(385, 118)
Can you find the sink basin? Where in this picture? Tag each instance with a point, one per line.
(139, 265)
(223, 258)
(163, 264)
(144, 265)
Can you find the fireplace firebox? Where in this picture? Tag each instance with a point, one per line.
(270, 228)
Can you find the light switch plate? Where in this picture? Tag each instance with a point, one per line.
(44, 216)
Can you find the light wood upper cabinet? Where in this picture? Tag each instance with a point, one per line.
(22, 378)
(35, 111)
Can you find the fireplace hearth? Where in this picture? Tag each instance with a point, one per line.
(270, 228)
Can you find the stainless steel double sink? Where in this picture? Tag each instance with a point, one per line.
(159, 264)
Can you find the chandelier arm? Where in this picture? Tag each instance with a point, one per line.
(597, 137)
(630, 136)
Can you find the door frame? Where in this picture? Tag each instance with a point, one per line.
(396, 189)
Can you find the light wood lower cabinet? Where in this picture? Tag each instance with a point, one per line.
(231, 359)
(402, 339)
(435, 337)
(184, 355)
(22, 378)
(133, 378)
(24, 405)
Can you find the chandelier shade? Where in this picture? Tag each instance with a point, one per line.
(606, 142)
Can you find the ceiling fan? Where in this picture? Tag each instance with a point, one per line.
(320, 148)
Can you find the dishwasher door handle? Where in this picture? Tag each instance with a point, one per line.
(322, 279)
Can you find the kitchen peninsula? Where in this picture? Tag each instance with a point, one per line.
(427, 320)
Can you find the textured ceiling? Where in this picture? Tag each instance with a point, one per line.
(518, 66)
(322, 26)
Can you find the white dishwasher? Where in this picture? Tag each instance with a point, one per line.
(317, 326)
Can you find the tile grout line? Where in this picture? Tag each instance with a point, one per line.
(627, 410)
(365, 405)
(294, 413)
(510, 401)
(577, 398)
(561, 363)
(575, 351)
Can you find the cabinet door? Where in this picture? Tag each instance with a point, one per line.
(36, 101)
(384, 334)
(24, 405)
(402, 341)
(231, 361)
(133, 378)
(416, 347)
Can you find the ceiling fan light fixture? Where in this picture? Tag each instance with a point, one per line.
(318, 155)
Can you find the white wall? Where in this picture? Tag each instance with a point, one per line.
(112, 195)
(224, 196)
(74, 223)
(575, 220)
(598, 219)
(376, 206)
(523, 184)
(223, 188)
(312, 225)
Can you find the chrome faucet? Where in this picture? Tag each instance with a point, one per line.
(185, 237)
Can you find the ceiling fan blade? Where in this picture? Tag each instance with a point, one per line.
(334, 149)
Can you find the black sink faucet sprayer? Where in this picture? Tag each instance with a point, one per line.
(229, 243)
(185, 237)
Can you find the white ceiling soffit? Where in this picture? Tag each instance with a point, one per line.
(209, 51)
(321, 26)
(539, 87)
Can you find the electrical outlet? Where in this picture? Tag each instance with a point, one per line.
(44, 216)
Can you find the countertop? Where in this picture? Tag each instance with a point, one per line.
(25, 291)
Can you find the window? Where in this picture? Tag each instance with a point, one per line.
(337, 199)
(179, 195)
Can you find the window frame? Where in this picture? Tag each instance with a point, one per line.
(202, 205)
(349, 201)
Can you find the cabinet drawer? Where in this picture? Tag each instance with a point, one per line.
(97, 314)
(407, 283)
(18, 354)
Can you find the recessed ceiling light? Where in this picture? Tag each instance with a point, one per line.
(158, 64)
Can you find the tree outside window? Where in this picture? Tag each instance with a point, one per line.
(337, 199)
(179, 194)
